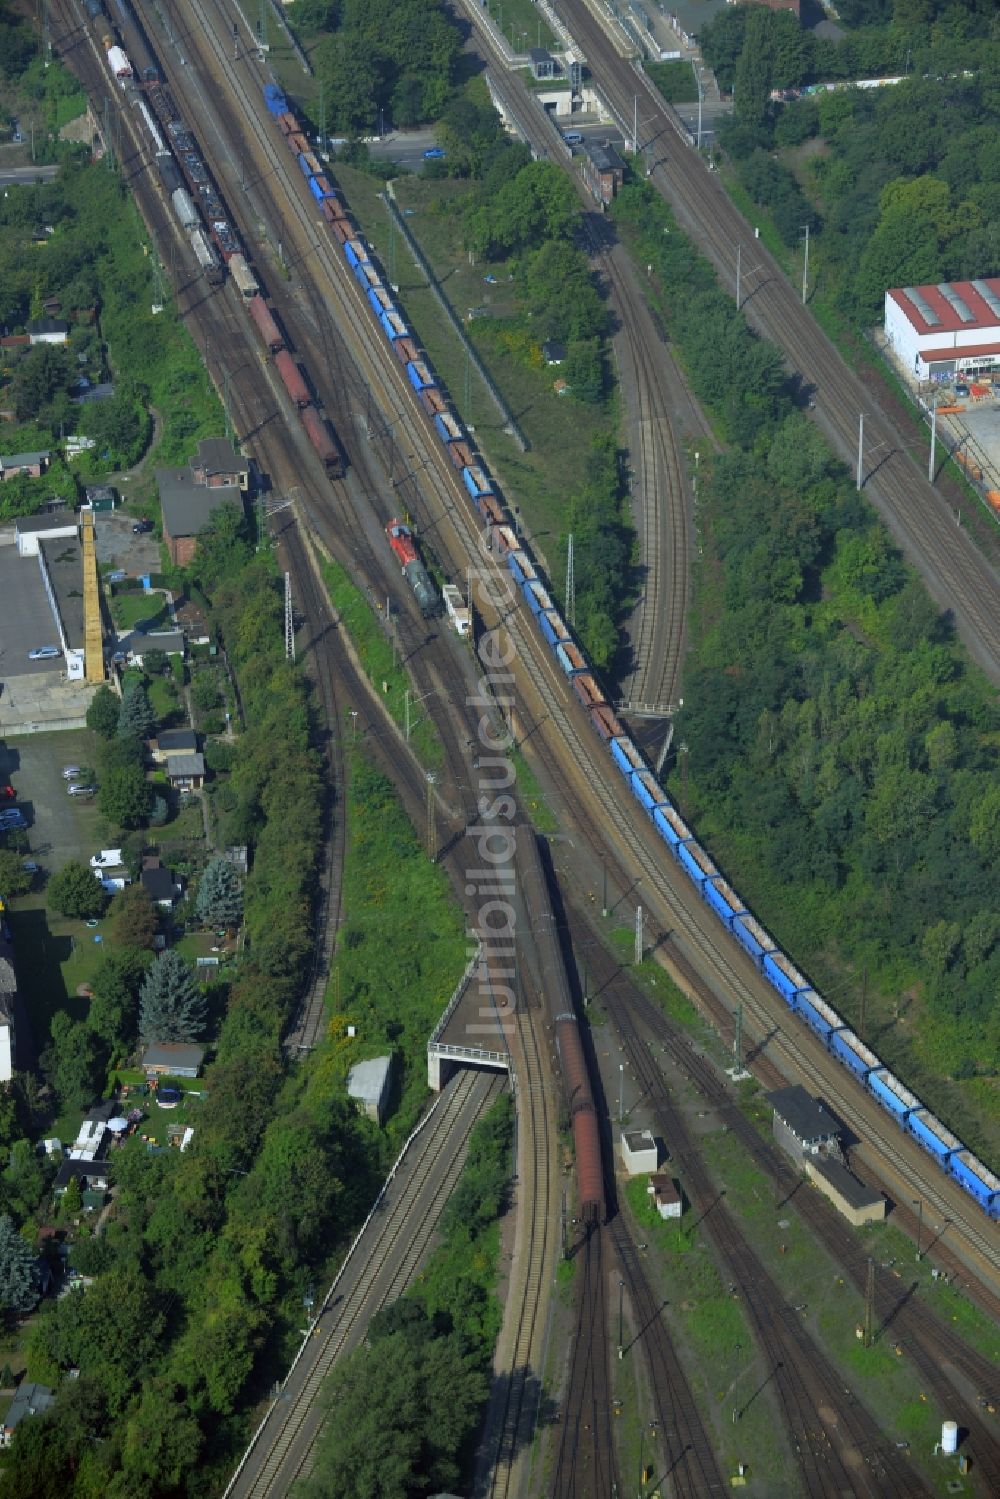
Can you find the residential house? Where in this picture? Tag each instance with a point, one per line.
(187, 505)
(30, 1400)
(33, 465)
(553, 352)
(172, 1059)
(219, 466)
(160, 885)
(859, 1204)
(134, 647)
(186, 772)
(93, 1176)
(48, 330)
(171, 742)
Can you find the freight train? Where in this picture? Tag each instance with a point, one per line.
(403, 545)
(562, 1016)
(796, 992)
(200, 210)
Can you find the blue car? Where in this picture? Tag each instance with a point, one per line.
(434, 153)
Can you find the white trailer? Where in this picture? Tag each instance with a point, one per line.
(243, 276)
(119, 64)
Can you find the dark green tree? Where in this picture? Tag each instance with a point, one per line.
(125, 796)
(14, 878)
(19, 1285)
(75, 892)
(24, 1179)
(171, 1005)
(71, 1062)
(134, 919)
(102, 714)
(752, 85)
(220, 895)
(136, 719)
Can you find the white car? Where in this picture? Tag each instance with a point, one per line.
(81, 790)
(44, 653)
(70, 772)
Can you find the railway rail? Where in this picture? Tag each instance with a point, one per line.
(543, 684)
(838, 1444)
(400, 1239)
(956, 573)
(585, 1465)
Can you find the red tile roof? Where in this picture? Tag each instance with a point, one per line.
(949, 321)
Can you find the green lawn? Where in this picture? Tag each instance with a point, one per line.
(147, 611)
(54, 957)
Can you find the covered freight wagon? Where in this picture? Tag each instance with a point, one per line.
(750, 934)
(206, 256)
(185, 210)
(322, 441)
(553, 628)
(424, 591)
(266, 326)
(244, 278)
(723, 899)
(167, 168)
(696, 863)
(647, 790)
(291, 378)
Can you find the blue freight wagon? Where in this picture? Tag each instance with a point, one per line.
(309, 164)
(852, 1051)
(647, 790)
(975, 1178)
(696, 864)
(553, 628)
(419, 375)
(748, 931)
(535, 595)
(723, 899)
(393, 326)
(521, 566)
(896, 1099)
(670, 825)
(477, 480)
(448, 427)
(784, 976)
(626, 756)
(817, 1014)
(571, 658)
(356, 252)
(274, 98)
(380, 301)
(320, 188)
(932, 1135)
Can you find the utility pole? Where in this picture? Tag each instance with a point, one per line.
(861, 450)
(570, 582)
(322, 116)
(930, 463)
(289, 620)
(406, 714)
(864, 1002)
(738, 1040)
(870, 1305)
(431, 817)
(604, 887)
(739, 260)
(805, 269)
(225, 404)
(918, 1203)
(621, 1092)
(468, 386)
(635, 125)
(638, 935)
(701, 96)
(262, 25)
(621, 1317)
(392, 247)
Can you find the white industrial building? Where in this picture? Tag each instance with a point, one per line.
(943, 331)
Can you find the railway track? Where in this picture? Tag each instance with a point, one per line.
(936, 1351)
(585, 1461)
(537, 675)
(411, 1220)
(519, 1365)
(837, 1442)
(956, 573)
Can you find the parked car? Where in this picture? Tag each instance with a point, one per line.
(13, 817)
(70, 772)
(572, 137)
(142, 527)
(108, 858)
(75, 790)
(30, 867)
(434, 153)
(44, 653)
(961, 390)
(7, 793)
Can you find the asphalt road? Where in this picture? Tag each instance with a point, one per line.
(24, 176)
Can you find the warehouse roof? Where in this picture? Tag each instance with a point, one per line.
(24, 460)
(950, 306)
(806, 1117)
(854, 1193)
